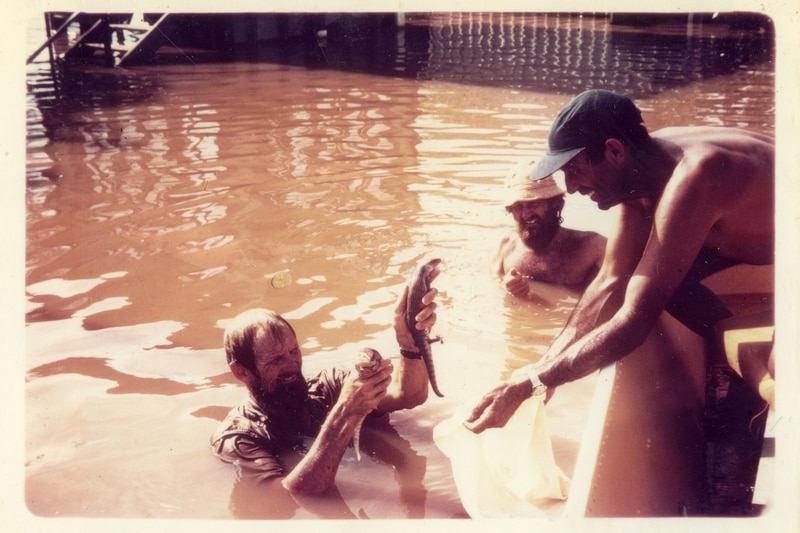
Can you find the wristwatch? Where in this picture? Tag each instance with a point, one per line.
(539, 388)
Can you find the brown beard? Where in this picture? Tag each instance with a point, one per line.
(284, 399)
(538, 237)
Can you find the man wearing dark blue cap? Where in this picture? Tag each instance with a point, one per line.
(691, 201)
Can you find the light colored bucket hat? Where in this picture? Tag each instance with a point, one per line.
(521, 188)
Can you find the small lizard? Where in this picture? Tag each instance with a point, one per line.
(419, 285)
(367, 362)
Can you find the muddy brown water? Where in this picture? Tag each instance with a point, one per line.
(162, 199)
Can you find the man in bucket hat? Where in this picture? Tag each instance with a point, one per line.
(540, 249)
(691, 201)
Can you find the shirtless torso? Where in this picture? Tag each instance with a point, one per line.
(735, 170)
(692, 190)
(572, 259)
(696, 189)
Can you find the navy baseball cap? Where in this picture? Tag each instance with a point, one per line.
(588, 119)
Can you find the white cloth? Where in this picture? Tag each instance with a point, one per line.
(504, 472)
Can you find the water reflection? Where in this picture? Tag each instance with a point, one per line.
(161, 200)
(553, 52)
(382, 447)
(98, 368)
(161, 190)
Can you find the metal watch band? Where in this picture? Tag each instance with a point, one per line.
(539, 388)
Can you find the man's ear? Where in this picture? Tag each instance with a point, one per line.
(615, 152)
(240, 372)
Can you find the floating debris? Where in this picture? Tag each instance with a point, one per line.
(281, 279)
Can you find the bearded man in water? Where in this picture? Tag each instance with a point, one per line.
(691, 201)
(284, 409)
(540, 249)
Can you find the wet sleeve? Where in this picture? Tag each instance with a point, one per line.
(326, 386)
(253, 460)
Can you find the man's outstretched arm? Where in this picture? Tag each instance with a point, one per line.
(682, 221)
(605, 294)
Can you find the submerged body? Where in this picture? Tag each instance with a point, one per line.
(540, 249)
(283, 407)
(141, 204)
(572, 259)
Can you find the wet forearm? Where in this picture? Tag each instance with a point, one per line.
(601, 299)
(316, 473)
(409, 387)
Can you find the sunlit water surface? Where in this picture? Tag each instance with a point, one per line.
(161, 200)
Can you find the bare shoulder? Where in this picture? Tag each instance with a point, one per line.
(722, 190)
(713, 136)
(506, 247)
(507, 243)
(740, 147)
(720, 159)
